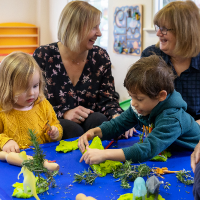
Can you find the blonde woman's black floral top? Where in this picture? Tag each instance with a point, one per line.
(94, 90)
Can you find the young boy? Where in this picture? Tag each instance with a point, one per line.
(154, 101)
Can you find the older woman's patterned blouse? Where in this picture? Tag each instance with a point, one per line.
(95, 89)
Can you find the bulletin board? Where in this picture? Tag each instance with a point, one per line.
(128, 30)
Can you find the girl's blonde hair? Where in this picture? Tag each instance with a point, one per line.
(76, 20)
(184, 18)
(16, 70)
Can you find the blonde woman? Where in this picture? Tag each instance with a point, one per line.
(23, 105)
(80, 85)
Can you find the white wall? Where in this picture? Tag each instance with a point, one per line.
(18, 11)
(121, 62)
(55, 8)
(42, 20)
(45, 14)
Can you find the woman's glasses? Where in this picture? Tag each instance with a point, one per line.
(163, 30)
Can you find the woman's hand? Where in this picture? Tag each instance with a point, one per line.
(11, 146)
(53, 133)
(78, 114)
(195, 157)
(93, 156)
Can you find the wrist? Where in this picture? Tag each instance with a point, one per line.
(97, 132)
(115, 115)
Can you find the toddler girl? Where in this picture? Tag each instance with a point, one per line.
(23, 105)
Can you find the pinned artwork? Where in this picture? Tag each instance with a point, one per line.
(128, 30)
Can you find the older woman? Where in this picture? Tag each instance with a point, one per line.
(178, 29)
(80, 85)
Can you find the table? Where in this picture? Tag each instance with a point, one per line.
(104, 188)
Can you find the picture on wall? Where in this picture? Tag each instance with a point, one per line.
(128, 30)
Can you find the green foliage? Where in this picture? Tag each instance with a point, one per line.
(185, 177)
(35, 165)
(87, 176)
(128, 172)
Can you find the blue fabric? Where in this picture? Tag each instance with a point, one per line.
(188, 83)
(171, 125)
(104, 188)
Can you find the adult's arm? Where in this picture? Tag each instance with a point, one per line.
(195, 157)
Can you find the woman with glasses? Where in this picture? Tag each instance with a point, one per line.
(178, 29)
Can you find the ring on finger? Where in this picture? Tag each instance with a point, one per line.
(80, 118)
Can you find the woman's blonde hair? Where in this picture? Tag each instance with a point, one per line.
(76, 20)
(16, 70)
(184, 18)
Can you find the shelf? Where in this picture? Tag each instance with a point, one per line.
(18, 37)
(25, 35)
(17, 46)
(149, 29)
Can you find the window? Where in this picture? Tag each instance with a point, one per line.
(161, 3)
(102, 5)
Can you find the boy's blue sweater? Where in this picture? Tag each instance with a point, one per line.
(171, 125)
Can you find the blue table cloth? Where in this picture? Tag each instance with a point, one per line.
(104, 188)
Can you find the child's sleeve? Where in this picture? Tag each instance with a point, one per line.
(3, 137)
(119, 125)
(166, 132)
(53, 121)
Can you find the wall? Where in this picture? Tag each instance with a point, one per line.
(18, 11)
(121, 63)
(55, 9)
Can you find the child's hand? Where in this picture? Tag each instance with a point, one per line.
(53, 133)
(128, 133)
(83, 140)
(93, 156)
(11, 146)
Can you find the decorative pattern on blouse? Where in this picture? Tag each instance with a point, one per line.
(95, 89)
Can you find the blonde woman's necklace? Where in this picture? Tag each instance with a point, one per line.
(78, 62)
